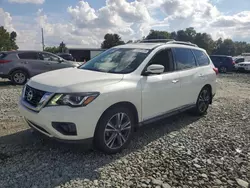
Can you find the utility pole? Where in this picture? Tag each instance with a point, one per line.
(42, 40)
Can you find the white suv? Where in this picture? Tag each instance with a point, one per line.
(116, 92)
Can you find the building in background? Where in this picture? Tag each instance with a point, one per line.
(81, 54)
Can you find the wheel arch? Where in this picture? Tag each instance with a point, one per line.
(210, 89)
(126, 104)
(20, 68)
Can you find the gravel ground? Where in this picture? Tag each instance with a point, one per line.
(182, 151)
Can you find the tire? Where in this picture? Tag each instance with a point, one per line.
(19, 77)
(223, 69)
(203, 101)
(109, 136)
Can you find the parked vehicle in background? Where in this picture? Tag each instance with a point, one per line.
(244, 57)
(18, 66)
(243, 66)
(223, 63)
(119, 90)
(66, 56)
(84, 54)
(238, 59)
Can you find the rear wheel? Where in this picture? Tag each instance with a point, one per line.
(114, 130)
(223, 69)
(19, 77)
(203, 101)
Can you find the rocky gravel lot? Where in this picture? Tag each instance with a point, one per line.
(182, 151)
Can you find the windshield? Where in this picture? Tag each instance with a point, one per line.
(117, 60)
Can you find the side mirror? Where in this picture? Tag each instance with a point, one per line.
(154, 69)
(60, 60)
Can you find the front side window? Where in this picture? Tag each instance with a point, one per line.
(117, 60)
(184, 58)
(48, 57)
(28, 55)
(165, 58)
(201, 57)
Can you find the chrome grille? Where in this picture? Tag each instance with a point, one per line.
(33, 96)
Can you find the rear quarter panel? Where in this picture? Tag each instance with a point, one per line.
(8, 68)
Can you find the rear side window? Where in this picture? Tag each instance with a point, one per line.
(184, 58)
(201, 57)
(28, 55)
(226, 59)
(214, 59)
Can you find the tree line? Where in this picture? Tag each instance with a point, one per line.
(203, 40)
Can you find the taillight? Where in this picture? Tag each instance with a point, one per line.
(4, 61)
(233, 62)
(216, 70)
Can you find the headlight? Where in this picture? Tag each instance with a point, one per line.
(73, 99)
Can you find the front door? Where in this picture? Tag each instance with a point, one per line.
(52, 61)
(160, 92)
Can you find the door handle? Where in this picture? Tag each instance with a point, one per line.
(175, 81)
(201, 75)
(25, 62)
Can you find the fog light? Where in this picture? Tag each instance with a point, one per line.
(65, 128)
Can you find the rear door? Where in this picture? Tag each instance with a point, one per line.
(206, 71)
(32, 63)
(190, 75)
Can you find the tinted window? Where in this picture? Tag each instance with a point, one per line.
(163, 57)
(184, 58)
(117, 60)
(201, 57)
(216, 60)
(28, 55)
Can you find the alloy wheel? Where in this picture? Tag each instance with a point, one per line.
(117, 130)
(223, 69)
(204, 100)
(19, 78)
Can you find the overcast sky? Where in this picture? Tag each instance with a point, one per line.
(83, 23)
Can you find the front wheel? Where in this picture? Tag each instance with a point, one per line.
(203, 101)
(114, 130)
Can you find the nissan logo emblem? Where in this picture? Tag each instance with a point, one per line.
(29, 95)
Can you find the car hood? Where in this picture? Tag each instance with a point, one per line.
(69, 80)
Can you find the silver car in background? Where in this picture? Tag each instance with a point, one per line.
(18, 66)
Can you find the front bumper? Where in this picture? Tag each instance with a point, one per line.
(84, 120)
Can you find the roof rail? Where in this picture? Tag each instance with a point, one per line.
(181, 42)
(155, 40)
(167, 41)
